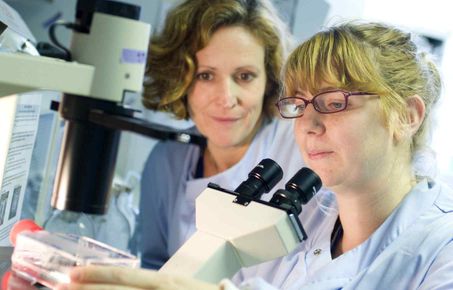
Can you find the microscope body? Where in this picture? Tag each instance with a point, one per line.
(116, 46)
(232, 234)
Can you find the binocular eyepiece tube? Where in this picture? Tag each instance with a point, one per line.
(261, 179)
(298, 190)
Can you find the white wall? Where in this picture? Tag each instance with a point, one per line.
(37, 12)
(431, 18)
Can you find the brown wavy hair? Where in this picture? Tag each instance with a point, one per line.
(368, 57)
(171, 63)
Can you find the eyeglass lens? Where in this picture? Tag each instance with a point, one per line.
(328, 102)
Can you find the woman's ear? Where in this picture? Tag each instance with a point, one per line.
(412, 120)
(415, 114)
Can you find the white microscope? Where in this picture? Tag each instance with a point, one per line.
(236, 229)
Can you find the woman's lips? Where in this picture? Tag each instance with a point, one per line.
(314, 155)
(225, 119)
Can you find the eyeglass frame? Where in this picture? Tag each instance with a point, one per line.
(346, 95)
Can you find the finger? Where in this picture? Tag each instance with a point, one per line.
(135, 278)
(76, 286)
(139, 278)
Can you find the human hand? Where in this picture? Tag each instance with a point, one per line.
(118, 278)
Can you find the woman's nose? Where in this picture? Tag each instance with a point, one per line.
(311, 122)
(227, 94)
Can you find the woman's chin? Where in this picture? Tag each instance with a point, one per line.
(327, 179)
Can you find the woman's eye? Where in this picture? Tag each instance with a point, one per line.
(336, 105)
(204, 76)
(246, 77)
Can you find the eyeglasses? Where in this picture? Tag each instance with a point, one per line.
(328, 102)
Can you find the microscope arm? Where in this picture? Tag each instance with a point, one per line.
(21, 73)
(143, 127)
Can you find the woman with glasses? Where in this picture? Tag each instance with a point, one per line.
(361, 96)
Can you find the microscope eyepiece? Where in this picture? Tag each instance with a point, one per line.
(298, 190)
(261, 179)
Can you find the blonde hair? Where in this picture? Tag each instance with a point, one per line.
(171, 64)
(368, 57)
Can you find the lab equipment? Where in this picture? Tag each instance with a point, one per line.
(108, 52)
(236, 230)
(46, 258)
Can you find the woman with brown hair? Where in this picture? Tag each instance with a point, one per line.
(217, 63)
